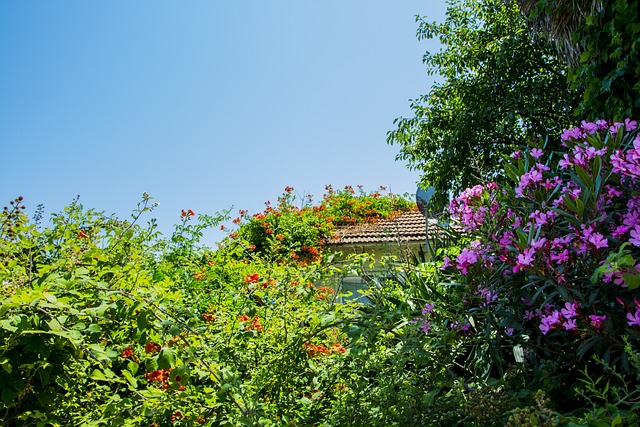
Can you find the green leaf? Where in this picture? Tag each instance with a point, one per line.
(166, 358)
(631, 280)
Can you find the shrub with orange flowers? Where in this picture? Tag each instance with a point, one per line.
(295, 230)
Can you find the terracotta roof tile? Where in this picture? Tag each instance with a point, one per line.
(406, 227)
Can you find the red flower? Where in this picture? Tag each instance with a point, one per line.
(82, 234)
(159, 375)
(152, 348)
(127, 353)
(255, 324)
(252, 278)
(233, 235)
(208, 317)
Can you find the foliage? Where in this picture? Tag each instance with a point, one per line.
(288, 232)
(551, 269)
(604, 38)
(500, 87)
(105, 323)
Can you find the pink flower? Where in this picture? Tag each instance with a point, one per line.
(524, 259)
(596, 321)
(570, 310)
(635, 236)
(548, 322)
(570, 324)
(634, 320)
(446, 264)
(599, 241)
(465, 260)
(537, 153)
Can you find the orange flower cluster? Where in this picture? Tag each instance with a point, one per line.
(152, 348)
(323, 292)
(128, 353)
(252, 278)
(255, 323)
(161, 376)
(315, 349)
(209, 317)
(313, 251)
(187, 213)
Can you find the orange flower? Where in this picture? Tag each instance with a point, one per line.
(243, 318)
(255, 324)
(159, 375)
(252, 278)
(209, 317)
(127, 353)
(82, 234)
(152, 348)
(233, 235)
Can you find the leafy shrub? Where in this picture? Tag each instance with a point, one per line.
(551, 269)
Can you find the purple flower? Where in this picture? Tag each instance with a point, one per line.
(560, 257)
(589, 127)
(635, 236)
(537, 153)
(425, 327)
(570, 310)
(573, 133)
(569, 324)
(634, 320)
(446, 264)
(548, 322)
(427, 309)
(596, 321)
(488, 295)
(524, 259)
(465, 260)
(599, 241)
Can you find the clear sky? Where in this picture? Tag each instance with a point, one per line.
(204, 105)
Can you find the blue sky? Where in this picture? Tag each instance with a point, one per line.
(204, 105)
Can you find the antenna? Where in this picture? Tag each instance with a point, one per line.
(422, 200)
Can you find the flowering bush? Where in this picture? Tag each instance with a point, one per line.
(552, 267)
(290, 233)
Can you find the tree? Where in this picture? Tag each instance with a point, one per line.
(500, 88)
(600, 42)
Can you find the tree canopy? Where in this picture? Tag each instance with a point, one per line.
(600, 42)
(499, 87)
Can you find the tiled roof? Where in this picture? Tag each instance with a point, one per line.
(406, 227)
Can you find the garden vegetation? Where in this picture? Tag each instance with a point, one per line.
(527, 314)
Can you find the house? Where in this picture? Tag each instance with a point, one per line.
(404, 236)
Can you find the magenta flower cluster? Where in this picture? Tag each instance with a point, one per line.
(564, 214)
